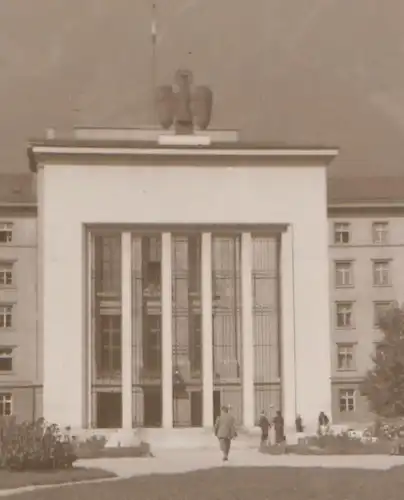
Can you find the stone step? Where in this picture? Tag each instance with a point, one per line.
(165, 439)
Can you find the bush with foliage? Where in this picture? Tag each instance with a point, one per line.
(340, 444)
(34, 446)
(384, 383)
(94, 447)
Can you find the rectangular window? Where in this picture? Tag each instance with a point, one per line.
(106, 283)
(342, 233)
(6, 316)
(380, 233)
(110, 344)
(6, 359)
(380, 310)
(6, 232)
(346, 400)
(381, 273)
(6, 401)
(344, 314)
(196, 345)
(226, 311)
(343, 274)
(345, 355)
(152, 345)
(154, 250)
(151, 254)
(6, 273)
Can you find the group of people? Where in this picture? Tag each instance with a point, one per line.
(225, 428)
(277, 425)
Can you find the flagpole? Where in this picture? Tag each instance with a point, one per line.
(153, 33)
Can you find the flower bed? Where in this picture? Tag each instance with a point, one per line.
(95, 448)
(333, 445)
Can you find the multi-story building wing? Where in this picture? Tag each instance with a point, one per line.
(366, 250)
(20, 344)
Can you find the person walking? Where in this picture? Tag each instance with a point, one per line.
(264, 425)
(225, 431)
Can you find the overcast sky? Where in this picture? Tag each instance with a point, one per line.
(294, 71)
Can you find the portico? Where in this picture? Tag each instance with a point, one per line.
(179, 278)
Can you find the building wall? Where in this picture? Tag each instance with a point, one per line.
(22, 294)
(27, 372)
(119, 195)
(363, 335)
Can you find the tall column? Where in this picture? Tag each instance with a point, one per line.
(207, 330)
(247, 330)
(288, 350)
(166, 342)
(126, 300)
(90, 327)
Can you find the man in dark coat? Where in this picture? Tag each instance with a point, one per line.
(279, 428)
(225, 431)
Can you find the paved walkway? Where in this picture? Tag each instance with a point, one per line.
(174, 462)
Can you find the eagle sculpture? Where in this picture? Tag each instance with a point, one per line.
(184, 106)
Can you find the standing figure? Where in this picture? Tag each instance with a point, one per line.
(225, 431)
(279, 428)
(299, 424)
(323, 424)
(264, 425)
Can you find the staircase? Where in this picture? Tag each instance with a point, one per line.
(179, 438)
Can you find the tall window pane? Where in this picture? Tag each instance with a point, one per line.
(146, 333)
(106, 329)
(227, 340)
(187, 341)
(265, 281)
(107, 279)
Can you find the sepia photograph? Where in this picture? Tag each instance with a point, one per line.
(202, 249)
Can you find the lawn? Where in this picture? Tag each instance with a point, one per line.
(9, 480)
(228, 483)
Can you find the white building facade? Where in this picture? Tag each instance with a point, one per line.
(177, 279)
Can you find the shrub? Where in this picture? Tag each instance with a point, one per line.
(388, 428)
(345, 444)
(94, 447)
(384, 383)
(330, 444)
(35, 446)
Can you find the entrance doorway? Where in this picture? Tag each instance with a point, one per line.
(196, 408)
(109, 410)
(152, 407)
(216, 405)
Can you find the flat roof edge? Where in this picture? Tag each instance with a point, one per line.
(151, 149)
(330, 206)
(369, 204)
(13, 204)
